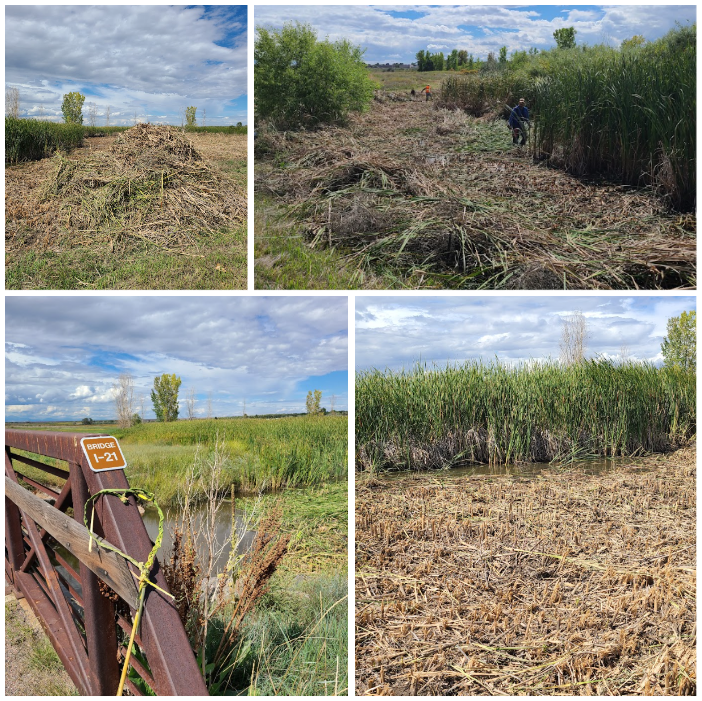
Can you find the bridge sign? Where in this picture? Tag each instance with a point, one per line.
(103, 453)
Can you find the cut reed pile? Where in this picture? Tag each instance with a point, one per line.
(562, 586)
(150, 185)
(431, 417)
(440, 199)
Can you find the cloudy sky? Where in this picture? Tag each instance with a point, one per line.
(154, 60)
(395, 33)
(395, 332)
(63, 353)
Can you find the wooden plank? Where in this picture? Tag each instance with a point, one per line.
(109, 566)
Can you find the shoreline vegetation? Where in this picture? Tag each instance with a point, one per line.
(433, 417)
(575, 584)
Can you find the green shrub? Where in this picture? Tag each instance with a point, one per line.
(300, 81)
(30, 139)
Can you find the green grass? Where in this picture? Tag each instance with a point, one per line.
(30, 139)
(317, 520)
(295, 644)
(261, 454)
(432, 417)
(218, 264)
(284, 260)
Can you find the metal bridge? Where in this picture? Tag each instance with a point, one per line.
(88, 612)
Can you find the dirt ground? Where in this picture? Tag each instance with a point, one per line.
(53, 224)
(565, 585)
(444, 200)
(32, 668)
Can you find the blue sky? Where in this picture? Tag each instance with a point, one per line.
(64, 353)
(144, 62)
(395, 33)
(396, 332)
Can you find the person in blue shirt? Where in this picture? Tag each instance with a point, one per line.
(518, 119)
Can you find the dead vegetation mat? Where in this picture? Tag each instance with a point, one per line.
(445, 200)
(570, 584)
(150, 185)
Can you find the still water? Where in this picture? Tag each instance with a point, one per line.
(538, 469)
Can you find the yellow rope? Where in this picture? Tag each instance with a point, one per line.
(143, 567)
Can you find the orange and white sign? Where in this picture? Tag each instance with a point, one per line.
(103, 453)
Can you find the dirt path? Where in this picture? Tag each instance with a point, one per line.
(32, 667)
(571, 584)
(446, 201)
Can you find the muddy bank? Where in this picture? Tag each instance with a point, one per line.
(571, 584)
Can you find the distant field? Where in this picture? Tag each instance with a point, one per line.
(259, 454)
(406, 79)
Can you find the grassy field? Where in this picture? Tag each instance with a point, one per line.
(565, 585)
(428, 196)
(434, 417)
(148, 213)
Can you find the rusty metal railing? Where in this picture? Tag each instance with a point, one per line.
(87, 612)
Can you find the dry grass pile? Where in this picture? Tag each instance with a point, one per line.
(151, 184)
(568, 585)
(446, 201)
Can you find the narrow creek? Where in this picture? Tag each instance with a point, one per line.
(172, 517)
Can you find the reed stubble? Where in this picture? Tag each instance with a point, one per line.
(569, 585)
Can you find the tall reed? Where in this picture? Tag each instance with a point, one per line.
(627, 114)
(492, 413)
(30, 139)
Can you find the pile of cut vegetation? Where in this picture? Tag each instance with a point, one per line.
(151, 184)
(567, 585)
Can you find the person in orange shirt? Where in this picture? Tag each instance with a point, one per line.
(427, 90)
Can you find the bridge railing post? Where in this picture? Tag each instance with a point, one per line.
(98, 610)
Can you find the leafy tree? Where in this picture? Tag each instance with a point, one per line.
(87, 421)
(462, 57)
(421, 60)
(190, 116)
(634, 43)
(452, 61)
(313, 400)
(679, 346)
(302, 81)
(503, 55)
(72, 108)
(164, 397)
(437, 61)
(136, 419)
(565, 37)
